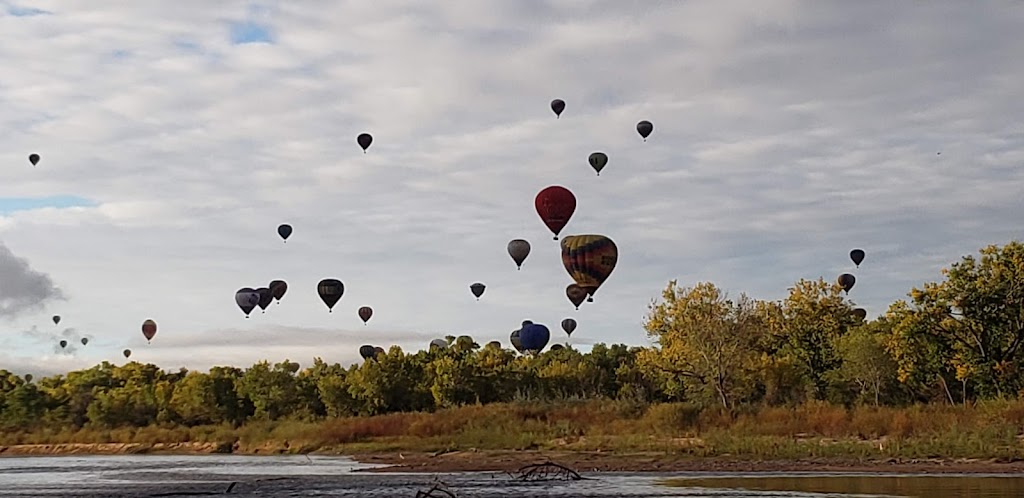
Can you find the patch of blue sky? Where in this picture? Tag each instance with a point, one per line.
(9, 205)
(16, 11)
(250, 32)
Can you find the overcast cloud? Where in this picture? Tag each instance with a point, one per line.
(786, 134)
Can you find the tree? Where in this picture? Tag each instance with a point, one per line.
(704, 337)
(866, 363)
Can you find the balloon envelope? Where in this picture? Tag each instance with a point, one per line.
(598, 161)
(555, 205)
(149, 329)
(28, 377)
(364, 140)
(284, 231)
(56, 319)
(266, 297)
(127, 353)
(438, 343)
(589, 259)
(860, 313)
(576, 294)
(477, 289)
(63, 344)
(518, 249)
(365, 313)
(556, 347)
(644, 128)
(558, 105)
(85, 341)
(247, 299)
(278, 288)
(330, 291)
(568, 325)
(857, 255)
(846, 281)
(514, 339)
(367, 351)
(534, 337)
(34, 159)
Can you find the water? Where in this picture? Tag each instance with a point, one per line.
(184, 476)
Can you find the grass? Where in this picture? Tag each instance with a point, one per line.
(986, 430)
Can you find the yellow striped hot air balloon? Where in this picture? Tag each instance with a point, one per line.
(589, 259)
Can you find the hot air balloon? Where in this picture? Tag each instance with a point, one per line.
(514, 339)
(247, 299)
(576, 295)
(555, 205)
(364, 140)
(28, 377)
(534, 337)
(266, 297)
(556, 347)
(589, 259)
(34, 159)
(149, 329)
(493, 345)
(569, 325)
(857, 255)
(644, 128)
(558, 105)
(63, 344)
(438, 343)
(85, 340)
(127, 353)
(846, 281)
(860, 313)
(330, 291)
(56, 319)
(477, 289)
(366, 351)
(519, 249)
(598, 161)
(378, 350)
(277, 289)
(365, 313)
(285, 231)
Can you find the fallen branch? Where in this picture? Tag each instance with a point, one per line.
(547, 471)
(198, 493)
(439, 490)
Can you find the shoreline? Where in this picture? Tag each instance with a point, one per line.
(511, 460)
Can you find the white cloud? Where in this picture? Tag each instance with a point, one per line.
(786, 133)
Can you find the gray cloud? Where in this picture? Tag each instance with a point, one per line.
(786, 133)
(22, 288)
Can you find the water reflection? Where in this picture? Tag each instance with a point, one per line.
(915, 486)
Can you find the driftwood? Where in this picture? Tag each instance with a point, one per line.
(439, 490)
(546, 471)
(199, 493)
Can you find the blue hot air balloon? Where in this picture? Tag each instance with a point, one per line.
(534, 337)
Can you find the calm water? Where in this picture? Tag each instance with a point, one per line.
(183, 476)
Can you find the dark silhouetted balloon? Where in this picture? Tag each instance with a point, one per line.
(556, 347)
(576, 295)
(589, 259)
(149, 329)
(266, 297)
(365, 313)
(85, 341)
(558, 105)
(247, 299)
(555, 205)
(28, 377)
(56, 319)
(367, 351)
(568, 325)
(127, 353)
(860, 313)
(378, 350)
(285, 231)
(598, 161)
(857, 255)
(34, 159)
(514, 339)
(278, 288)
(846, 281)
(330, 291)
(519, 249)
(63, 344)
(364, 140)
(534, 337)
(493, 345)
(644, 128)
(477, 289)
(438, 343)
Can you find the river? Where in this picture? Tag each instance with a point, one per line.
(213, 475)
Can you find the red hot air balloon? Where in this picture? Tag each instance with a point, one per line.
(555, 205)
(365, 313)
(149, 329)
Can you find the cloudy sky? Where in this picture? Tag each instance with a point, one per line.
(176, 136)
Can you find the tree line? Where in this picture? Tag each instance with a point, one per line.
(953, 341)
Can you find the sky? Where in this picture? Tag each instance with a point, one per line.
(176, 136)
